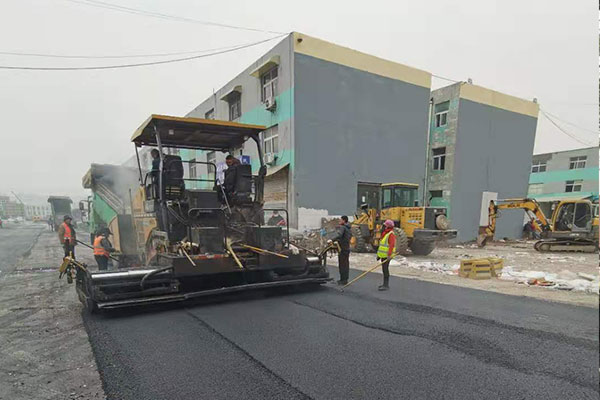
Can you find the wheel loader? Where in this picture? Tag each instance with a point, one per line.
(417, 228)
(195, 237)
(573, 226)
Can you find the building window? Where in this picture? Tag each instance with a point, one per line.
(573, 186)
(171, 151)
(211, 158)
(271, 143)
(577, 162)
(436, 193)
(441, 114)
(235, 106)
(210, 114)
(439, 159)
(269, 84)
(535, 188)
(538, 166)
(192, 166)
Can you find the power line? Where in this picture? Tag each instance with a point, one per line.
(137, 64)
(14, 53)
(444, 78)
(137, 11)
(565, 132)
(572, 124)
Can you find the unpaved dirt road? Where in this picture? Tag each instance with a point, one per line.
(44, 349)
(15, 241)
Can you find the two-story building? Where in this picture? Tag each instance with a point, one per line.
(480, 141)
(334, 117)
(571, 174)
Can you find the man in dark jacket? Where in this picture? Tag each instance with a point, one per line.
(343, 236)
(230, 175)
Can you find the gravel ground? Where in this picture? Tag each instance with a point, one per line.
(44, 348)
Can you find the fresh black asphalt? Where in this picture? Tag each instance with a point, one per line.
(420, 340)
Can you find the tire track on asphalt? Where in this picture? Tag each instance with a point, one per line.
(478, 321)
(248, 355)
(498, 356)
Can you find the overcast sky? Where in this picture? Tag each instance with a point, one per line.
(54, 124)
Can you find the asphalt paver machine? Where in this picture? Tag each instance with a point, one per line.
(195, 238)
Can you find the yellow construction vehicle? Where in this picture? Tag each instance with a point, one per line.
(573, 227)
(417, 228)
(195, 236)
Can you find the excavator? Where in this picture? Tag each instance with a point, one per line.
(573, 226)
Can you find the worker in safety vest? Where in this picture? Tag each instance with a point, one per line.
(102, 249)
(67, 236)
(386, 251)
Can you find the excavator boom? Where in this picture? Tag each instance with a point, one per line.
(579, 241)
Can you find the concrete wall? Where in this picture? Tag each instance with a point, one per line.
(558, 172)
(352, 125)
(444, 136)
(253, 111)
(493, 153)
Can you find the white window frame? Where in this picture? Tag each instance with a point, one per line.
(577, 162)
(539, 166)
(441, 119)
(235, 107)
(271, 141)
(439, 160)
(193, 172)
(268, 84)
(573, 186)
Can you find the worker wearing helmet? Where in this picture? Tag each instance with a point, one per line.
(386, 251)
(67, 236)
(343, 236)
(102, 249)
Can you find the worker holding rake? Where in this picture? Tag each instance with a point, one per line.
(385, 252)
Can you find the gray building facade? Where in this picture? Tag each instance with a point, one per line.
(480, 141)
(334, 116)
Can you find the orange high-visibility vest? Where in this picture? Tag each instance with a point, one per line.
(98, 249)
(68, 234)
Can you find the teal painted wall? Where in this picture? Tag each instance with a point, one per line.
(586, 174)
(102, 213)
(261, 116)
(256, 116)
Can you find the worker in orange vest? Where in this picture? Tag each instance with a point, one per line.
(102, 249)
(67, 236)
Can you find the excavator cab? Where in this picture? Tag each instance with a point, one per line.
(573, 216)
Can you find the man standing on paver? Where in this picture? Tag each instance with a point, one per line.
(67, 236)
(343, 236)
(386, 251)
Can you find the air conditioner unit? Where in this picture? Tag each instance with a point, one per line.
(269, 158)
(270, 104)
